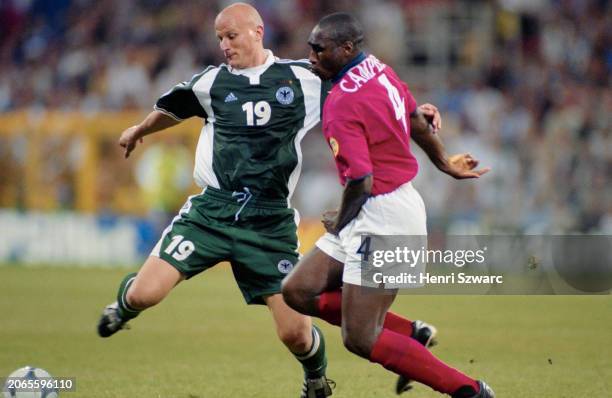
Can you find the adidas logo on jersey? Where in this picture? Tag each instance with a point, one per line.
(231, 97)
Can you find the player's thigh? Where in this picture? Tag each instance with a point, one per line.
(260, 273)
(264, 251)
(314, 274)
(196, 239)
(154, 281)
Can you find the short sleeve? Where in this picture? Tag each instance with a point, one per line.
(181, 102)
(350, 147)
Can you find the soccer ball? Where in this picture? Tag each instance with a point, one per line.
(19, 384)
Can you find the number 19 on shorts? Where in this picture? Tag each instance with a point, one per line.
(179, 248)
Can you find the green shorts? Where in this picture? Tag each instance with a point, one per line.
(258, 237)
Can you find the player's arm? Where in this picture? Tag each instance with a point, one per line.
(351, 151)
(356, 193)
(174, 106)
(154, 122)
(457, 166)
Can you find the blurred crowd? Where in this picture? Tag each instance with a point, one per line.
(524, 85)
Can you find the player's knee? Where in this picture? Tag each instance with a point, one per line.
(291, 294)
(296, 337)
(141, 299)
(357, 343)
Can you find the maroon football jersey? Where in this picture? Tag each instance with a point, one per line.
(366, 121)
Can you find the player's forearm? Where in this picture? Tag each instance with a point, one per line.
(356, 193)
(154, 122)
(432, 145)
(422, 132)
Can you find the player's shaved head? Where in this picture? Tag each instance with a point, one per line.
(240, 31)
(341, 27)
(242, 13)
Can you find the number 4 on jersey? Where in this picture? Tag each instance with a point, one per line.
(398, 102)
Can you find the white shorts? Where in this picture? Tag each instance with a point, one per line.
(401, 212)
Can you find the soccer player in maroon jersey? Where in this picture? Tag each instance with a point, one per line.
(368, 120)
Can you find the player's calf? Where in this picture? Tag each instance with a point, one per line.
(116, 315)
(425, 334)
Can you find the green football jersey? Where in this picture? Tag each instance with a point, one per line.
(255, 119)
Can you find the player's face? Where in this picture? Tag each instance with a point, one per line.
(326, 56)
(239, 41)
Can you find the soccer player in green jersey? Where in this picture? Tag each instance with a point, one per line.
(257, 110)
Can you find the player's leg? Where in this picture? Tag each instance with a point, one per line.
(138, 292)
(313, 288)
(363, 334)
(292, 328)
(191, 244)
(263, 254)
(305, 341)
(315, 278)
(151, 285)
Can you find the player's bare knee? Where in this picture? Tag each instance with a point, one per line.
(142, 298)
(297, 337)
(291, 295)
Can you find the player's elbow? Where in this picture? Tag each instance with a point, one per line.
(362, 185)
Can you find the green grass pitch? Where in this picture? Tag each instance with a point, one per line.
(203, 341)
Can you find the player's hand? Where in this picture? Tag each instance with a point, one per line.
(432, 114)
(463, 165)
(128, 140)
(329, 221)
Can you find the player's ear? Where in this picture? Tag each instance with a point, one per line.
(348, 47)
(259, 32)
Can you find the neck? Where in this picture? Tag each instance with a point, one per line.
(357, 58)
(258, 59)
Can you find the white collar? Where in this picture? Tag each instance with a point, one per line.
(254, 72)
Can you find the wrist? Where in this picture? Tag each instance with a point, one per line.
(443, 164)
(140, 131)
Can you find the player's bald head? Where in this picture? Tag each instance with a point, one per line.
(240, 31)
(341, 27)
(241, 14)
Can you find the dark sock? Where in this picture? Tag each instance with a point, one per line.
(126, 312)
(314, 360)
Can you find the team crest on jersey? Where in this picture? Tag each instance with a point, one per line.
(334, 146)
(285, 95)
(285, 266)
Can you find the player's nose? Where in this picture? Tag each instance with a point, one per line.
(312, 57)
(224, 44)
